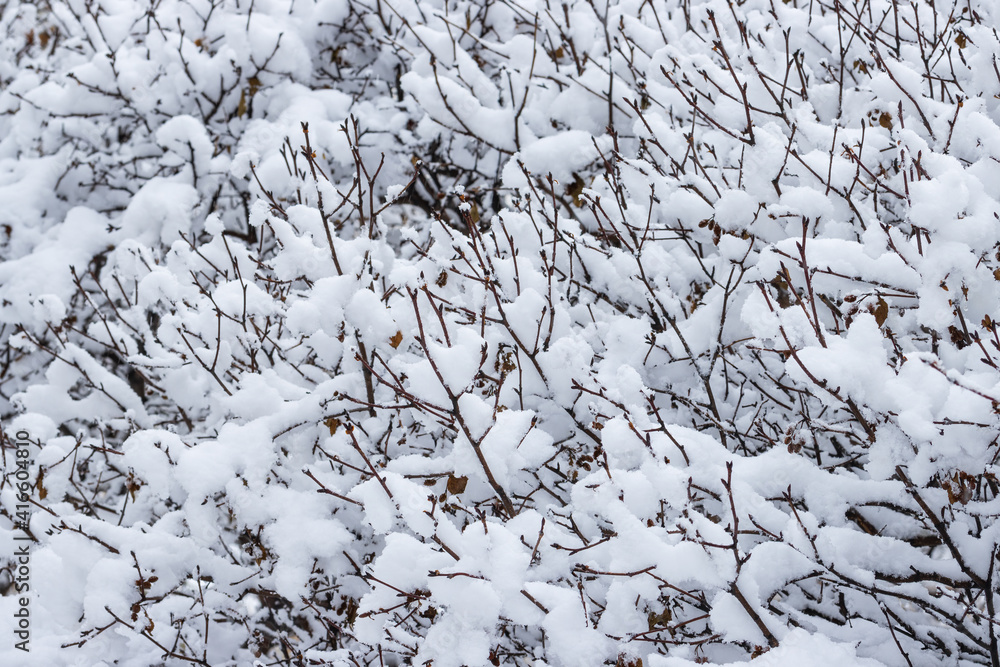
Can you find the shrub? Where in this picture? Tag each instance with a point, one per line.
(642, 333)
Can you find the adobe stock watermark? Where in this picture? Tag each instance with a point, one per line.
(21, 557)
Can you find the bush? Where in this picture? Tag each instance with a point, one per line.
(360, 332)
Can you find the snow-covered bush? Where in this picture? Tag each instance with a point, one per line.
(364, 332)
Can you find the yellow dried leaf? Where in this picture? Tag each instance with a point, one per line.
(396, 339)
(333, 424)
(575, 190)
(474, 212)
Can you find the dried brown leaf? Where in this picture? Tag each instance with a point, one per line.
(881, 311)
(456, 485)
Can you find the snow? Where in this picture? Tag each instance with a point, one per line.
(713, 379)
(799, 647)
(561, 154)
(160, 211)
